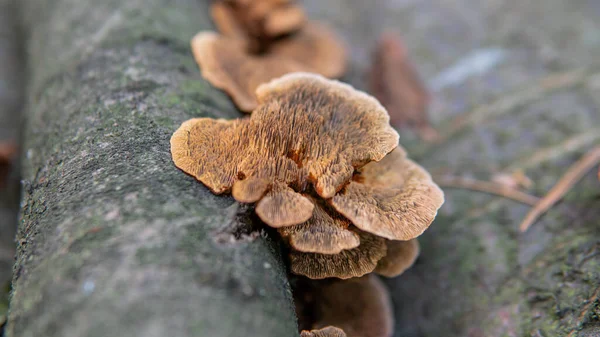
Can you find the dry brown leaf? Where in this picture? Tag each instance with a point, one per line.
(8, 150)
(396, 84)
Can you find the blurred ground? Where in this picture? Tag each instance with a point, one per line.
(11, 81)
(516, 85)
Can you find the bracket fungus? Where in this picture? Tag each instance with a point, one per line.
(349, 263)
(257, 19)
(8, 152)
(361, 307)
(325, 232)
(307, 133)
(400, 256)
(394, 198)
(244, 57)
(329, 331)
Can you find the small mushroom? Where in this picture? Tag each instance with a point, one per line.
(315, 46)
(227, 64)
(325, 232)
(394, 198)
(259, 21)
(400, 256)
(308, 132)
(361, 307)
(329, 331)
(348, 263)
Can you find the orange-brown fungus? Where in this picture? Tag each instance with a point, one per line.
(258, 19)
(307, 132)
(394, 198)
(316, 47)
(400, 256)
(349, 263)
(326, 232)
(396, 84)
(232, 64)
(225, 63)
(329, 331)
(360, 307)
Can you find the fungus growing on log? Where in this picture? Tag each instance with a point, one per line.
(262, 40)
(394, 198)
(329, 331)
(227, 65)
(361, 307)
(326, 233)
(350, 263)
(400, 256)
(307, 133)
(258, 19)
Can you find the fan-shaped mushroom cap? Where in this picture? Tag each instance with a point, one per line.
(394, 198)
(361, 307)
(400, 256)
(228, 65)
(349, 263)
(257, 19)
(284, 20)
(325, 232)
(317, 47)
(307, 130)
(329, 331)
(282, 206)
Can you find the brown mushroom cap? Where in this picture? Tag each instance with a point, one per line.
(284, 20)
(226, 64)
(307, 130)
(361, 307)
(315, 46)
(257, 19)
(400, 256)
(325, 232)
(329, 331)
(394, 198)
(282, 206)
(349, 263)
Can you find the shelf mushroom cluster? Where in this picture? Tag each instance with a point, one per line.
(322, 165)
(261, 40)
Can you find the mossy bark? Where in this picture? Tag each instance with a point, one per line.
(113, 239)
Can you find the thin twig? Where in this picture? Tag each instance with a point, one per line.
(520, 97)
(556, 151)
(570, 178)
(486, 187)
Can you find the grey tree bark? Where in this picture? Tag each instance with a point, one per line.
(114, 240)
